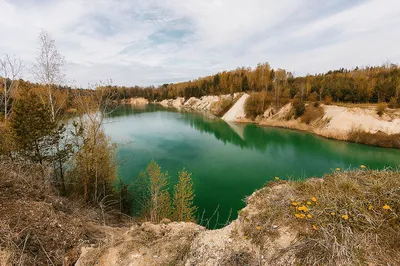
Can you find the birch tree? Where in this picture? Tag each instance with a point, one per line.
(49, 68)
(10, 69)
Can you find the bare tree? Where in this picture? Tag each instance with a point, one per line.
(49, 68)
(94, 148)
(10, 68)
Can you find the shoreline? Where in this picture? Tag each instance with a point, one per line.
(326, 134)
(338, 123)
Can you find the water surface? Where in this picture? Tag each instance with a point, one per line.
(228, 161)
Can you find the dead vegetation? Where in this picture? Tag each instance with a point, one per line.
(376, 139)
(312, 113)
(381, 108)
(220, 107)
(38, 227)
(347, 218)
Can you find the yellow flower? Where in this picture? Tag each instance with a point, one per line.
(302, 215)
(297, 215)
(309, 216)
(345, 217)
(294, 203)
(302, 208)
(363, 166)
(258, 227)
(370, 207)
(386, 207)
(245, 237)
(314, 227)
(338, 169)
(314, 199)
(332, 213)
(309, 203)
(276, 178)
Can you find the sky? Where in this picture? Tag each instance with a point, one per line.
(152, 42)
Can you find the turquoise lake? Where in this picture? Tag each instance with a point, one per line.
(228, 161)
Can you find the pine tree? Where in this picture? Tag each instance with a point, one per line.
(33, 128)
(151, 195)
(160, 203)
(184, 210)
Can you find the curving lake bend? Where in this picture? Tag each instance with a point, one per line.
(228, 161)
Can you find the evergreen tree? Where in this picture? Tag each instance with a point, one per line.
(151, 195)
(160, 203)
(245, 84)
(33, 128)
(184, 210)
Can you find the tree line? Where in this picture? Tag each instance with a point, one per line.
(359, 85)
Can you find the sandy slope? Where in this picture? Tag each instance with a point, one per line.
(338, 120)
(237, 110)
(345, 119)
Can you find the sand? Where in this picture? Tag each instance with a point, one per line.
(237, 110)
(345, 119)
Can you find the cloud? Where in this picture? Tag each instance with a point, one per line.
(144, 42)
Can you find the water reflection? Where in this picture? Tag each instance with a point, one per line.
(273, 140)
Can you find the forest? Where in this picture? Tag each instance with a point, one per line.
(358, 85)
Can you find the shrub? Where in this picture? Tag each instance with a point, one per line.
(328, 100)
(381, 108)
(256, 104)
(313, 97)
(393, 103)
(222, 106)
(312, 113)
(377, 139)
(7, 146)
(299, 107)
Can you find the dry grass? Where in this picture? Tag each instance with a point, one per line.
(376, 139)
(317, 125)
(359, 105)
(290, 124)
(239, 259)
(346, 218)
(381, 108)
(36, 226)
(220, 107)
(330, 134)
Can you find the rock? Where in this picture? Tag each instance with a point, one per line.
(165, 221)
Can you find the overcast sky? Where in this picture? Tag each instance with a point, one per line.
(144, 42)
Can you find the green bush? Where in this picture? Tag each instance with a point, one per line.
(299, 107)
